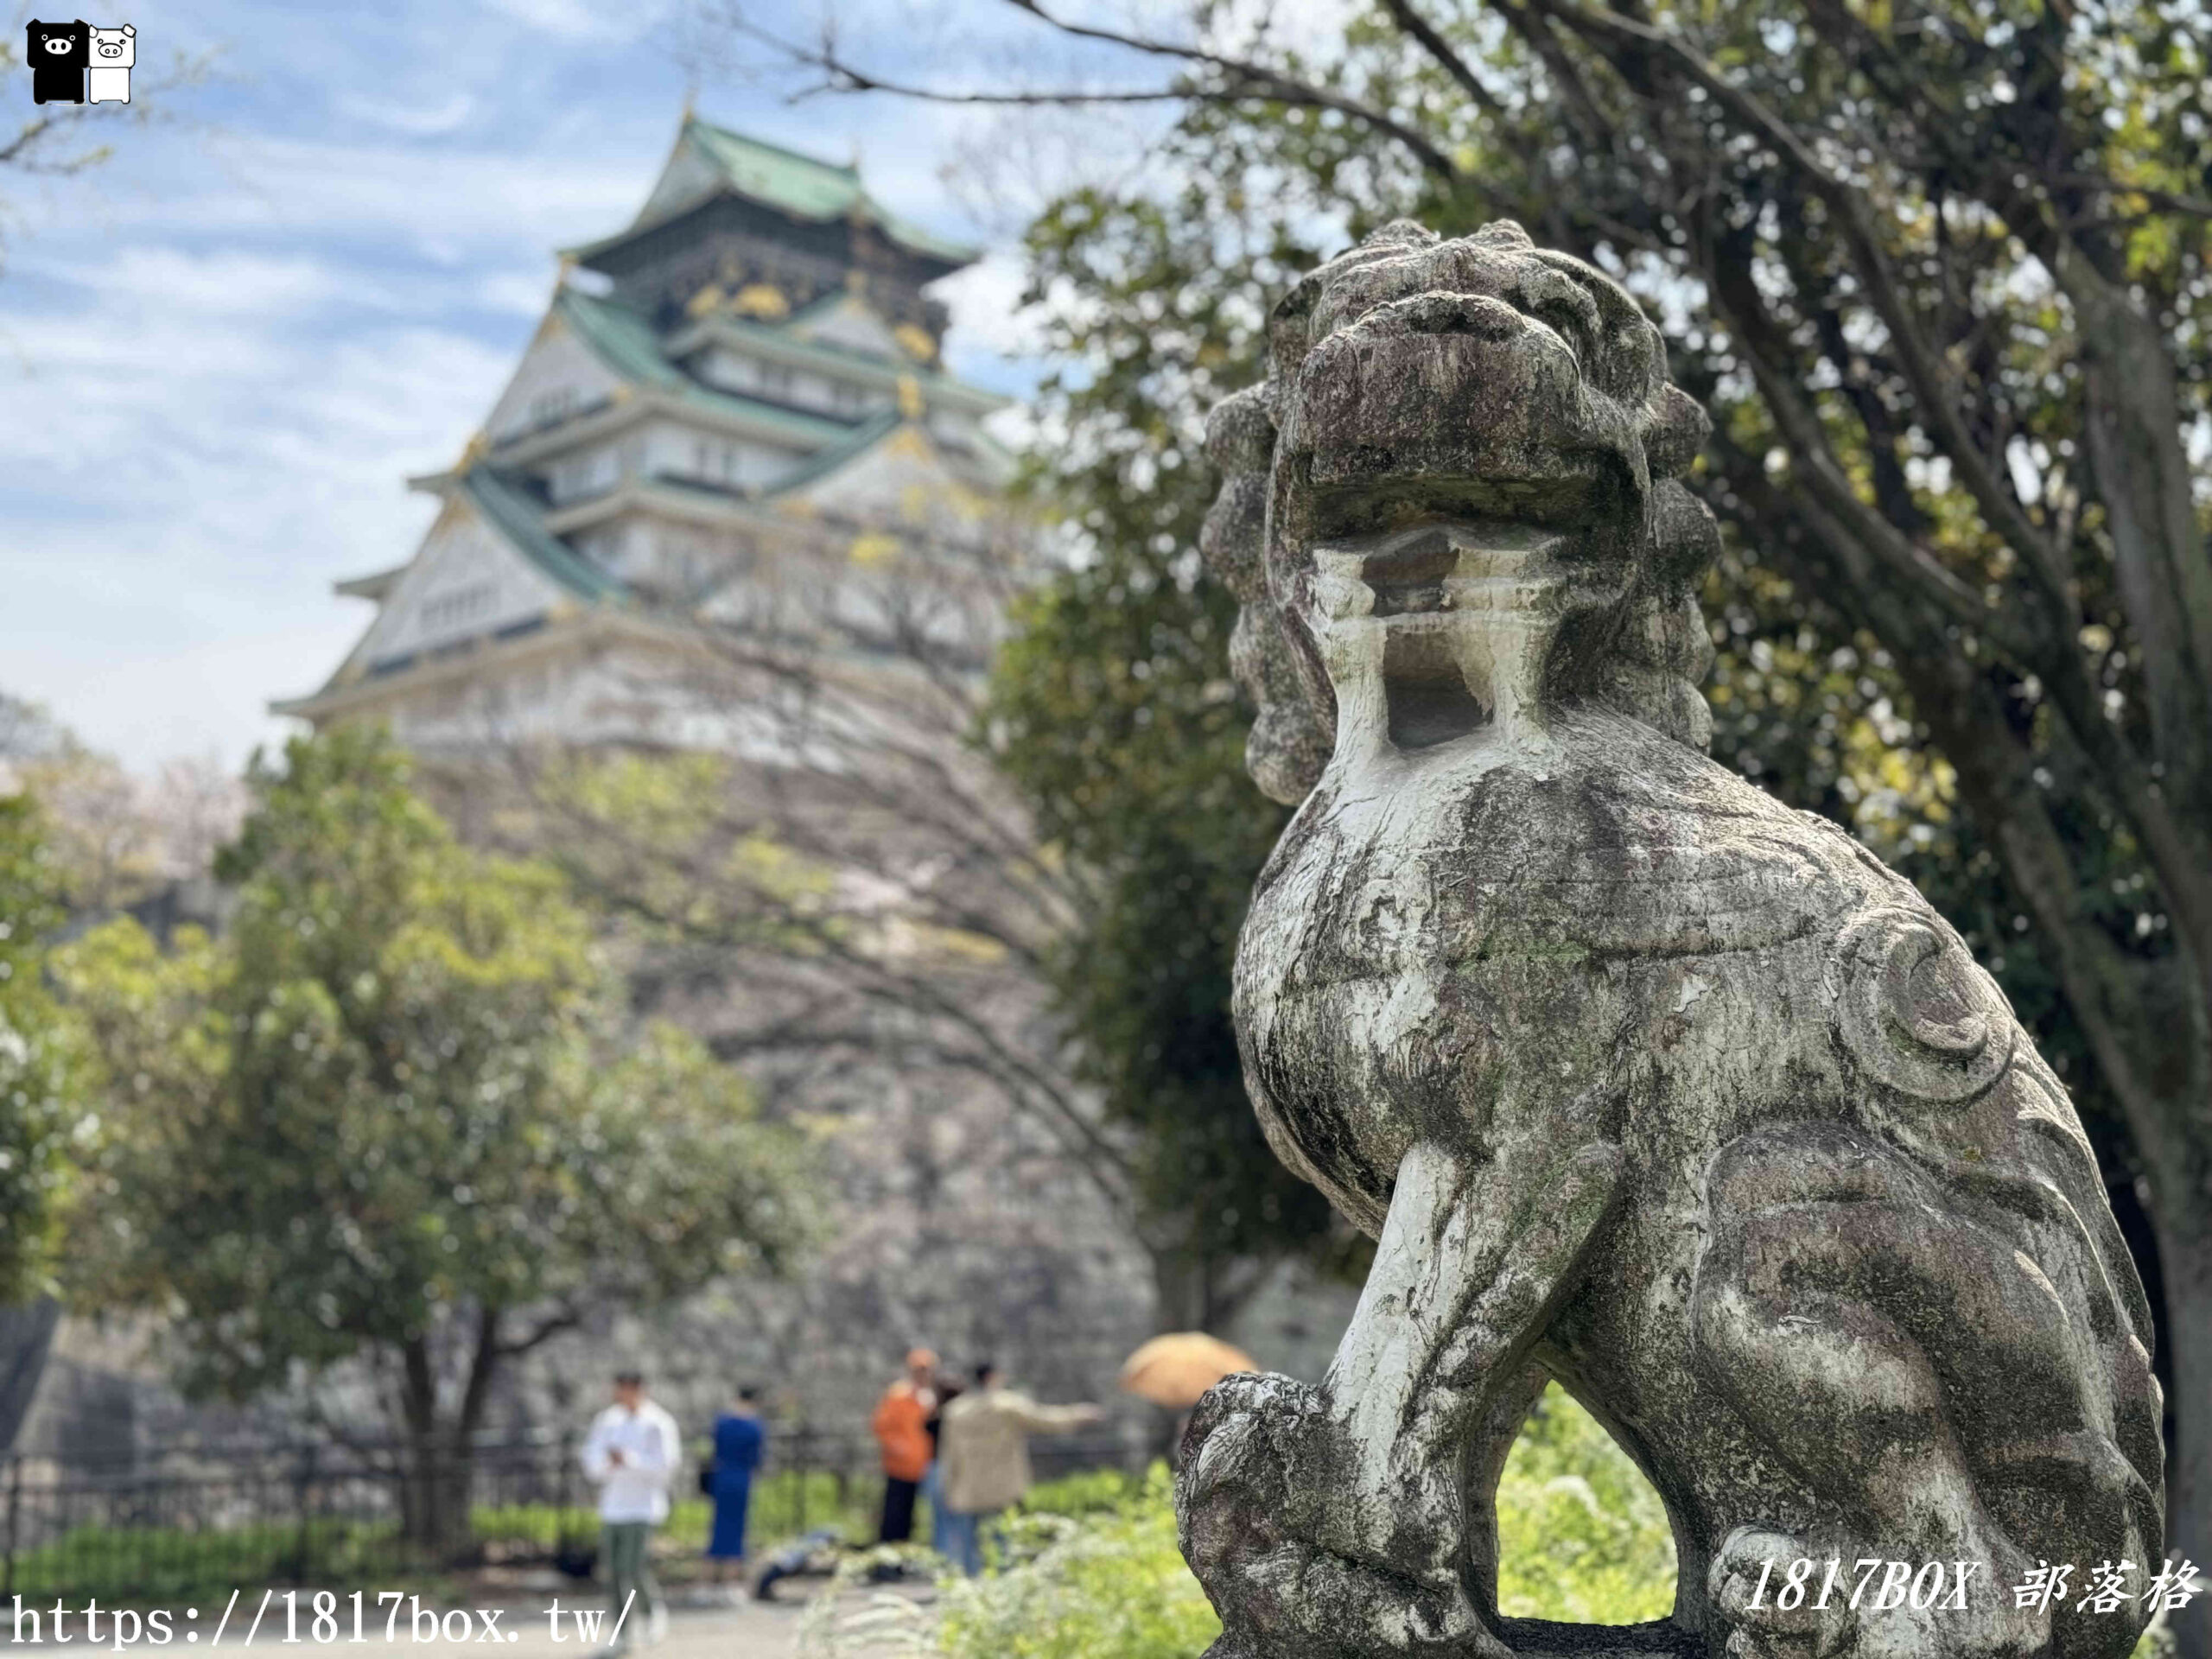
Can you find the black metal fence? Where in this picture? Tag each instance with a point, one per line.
(198, 1523)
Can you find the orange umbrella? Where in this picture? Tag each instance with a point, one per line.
(1173, 1370)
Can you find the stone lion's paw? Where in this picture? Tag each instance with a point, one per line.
(1746, 1583)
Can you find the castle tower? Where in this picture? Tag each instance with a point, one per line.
(734, 415)
(731, 407)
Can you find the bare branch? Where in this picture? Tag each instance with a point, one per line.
(1240, 81)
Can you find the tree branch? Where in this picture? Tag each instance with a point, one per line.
(1934, 386)
(1242, 80)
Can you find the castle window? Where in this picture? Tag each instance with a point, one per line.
(550, 406)
(457, 608)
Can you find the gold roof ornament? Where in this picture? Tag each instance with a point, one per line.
(762, 299)
(873, 547)
(478, 446)
(910, 398)
(709, 298)
(918, 343)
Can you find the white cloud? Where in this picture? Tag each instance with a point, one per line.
(580, 20)
(302, 188)
(206, 443)
(417, 121)
(524, 293)
(148, 279)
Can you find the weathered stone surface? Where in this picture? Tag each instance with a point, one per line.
(1643, 1081)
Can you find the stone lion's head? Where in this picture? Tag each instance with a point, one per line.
(1418, 381)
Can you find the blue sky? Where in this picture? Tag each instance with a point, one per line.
(221, 352)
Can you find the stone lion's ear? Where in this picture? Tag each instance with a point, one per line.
(1241, 430)
(1679, 429)
(1503, 233)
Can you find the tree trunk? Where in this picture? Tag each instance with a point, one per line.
(437, 1489)
(26, 1336)
(2186, 1253)
(438, 1485)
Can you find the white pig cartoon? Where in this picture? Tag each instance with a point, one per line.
(114, 50)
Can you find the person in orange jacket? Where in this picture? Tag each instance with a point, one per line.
(900, 1426)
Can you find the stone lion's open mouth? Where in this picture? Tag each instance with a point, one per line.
(1458, 606)
(1460, 566)
(1409, 574)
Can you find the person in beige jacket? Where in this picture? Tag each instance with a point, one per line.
(983, 1459)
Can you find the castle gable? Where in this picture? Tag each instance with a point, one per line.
(560, 375)
(849, 323)
(470, 580)
(689, 178)
(898, 479)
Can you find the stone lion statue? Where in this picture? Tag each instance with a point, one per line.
(1642, 1081)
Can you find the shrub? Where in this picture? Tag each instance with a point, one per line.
(1581, 1534)
(1112, 1583)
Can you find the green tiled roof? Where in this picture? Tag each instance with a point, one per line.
(519, 521)
(626, 342)
(807, 189)
(862, 438)
(843, 359)
(624, 339)
(803, 186)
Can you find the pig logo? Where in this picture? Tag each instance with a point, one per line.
(58, 55)
(107, 77)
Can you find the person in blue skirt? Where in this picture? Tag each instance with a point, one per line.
(738, 1441)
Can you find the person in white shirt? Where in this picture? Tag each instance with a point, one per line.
(631, 1453)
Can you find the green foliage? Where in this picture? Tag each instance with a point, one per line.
(1088, 1491)
(786, 1504)
(1111, 1586)
(1112, 712)
(1093, 1571)
(166, 1565)
(39, 1069)
(156, 1566)
(394, 1102)
(1154, 290)
(1582, 1537)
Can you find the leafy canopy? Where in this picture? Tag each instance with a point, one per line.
(40, 1070)
(396, 1091)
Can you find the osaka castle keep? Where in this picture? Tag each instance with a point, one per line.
(734, 407)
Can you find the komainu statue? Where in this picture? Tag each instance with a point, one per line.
(1641, 1080)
